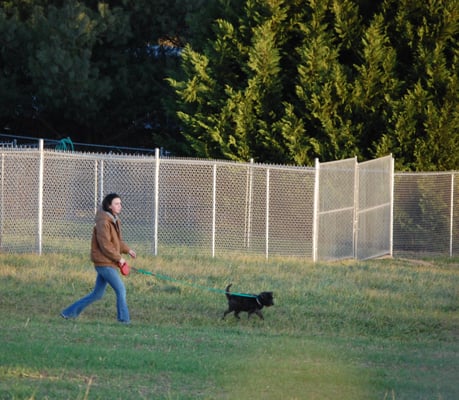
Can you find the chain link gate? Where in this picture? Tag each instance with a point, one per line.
(353, 215)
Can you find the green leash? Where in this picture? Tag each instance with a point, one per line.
(168, 278)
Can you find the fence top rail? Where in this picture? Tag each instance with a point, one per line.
(172, 160)
(428, 173)
(377, 160)
(149, 158)
(29, 148)
(78, 155)
(345, 160)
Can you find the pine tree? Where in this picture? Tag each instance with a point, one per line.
(323, 87)
(90, 69)
(288, 81)
(233, 94)
(376, 87)
(424, 130)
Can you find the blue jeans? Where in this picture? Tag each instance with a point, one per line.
(105, 275)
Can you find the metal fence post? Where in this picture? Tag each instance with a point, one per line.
(2, 203)
(40, 195)
(267, 215)
(391, 223)
(315, 213)
(248, 205)
(355, 223)
(214, 206)
(101, 182)
(451, 224)
(96, 180)
(156, 201)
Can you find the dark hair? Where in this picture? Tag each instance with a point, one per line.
(107, 202)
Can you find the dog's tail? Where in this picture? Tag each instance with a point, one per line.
(227, 292)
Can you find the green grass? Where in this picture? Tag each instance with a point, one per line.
(381, 329)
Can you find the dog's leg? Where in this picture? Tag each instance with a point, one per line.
(225, 313)
(259, 313)
(236, 314)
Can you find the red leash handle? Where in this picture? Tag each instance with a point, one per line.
(125, 269)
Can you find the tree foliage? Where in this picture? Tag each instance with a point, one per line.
(274, 80)
(90, 69)
(288, 81)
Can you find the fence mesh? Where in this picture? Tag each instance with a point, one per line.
(133, 179)
(374, 208)
(426, 213)
(19, 202)
(185, 202)
(336, 209)
(341, 209)
(68, 202)
(291, 207)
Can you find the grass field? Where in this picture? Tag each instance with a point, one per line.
(380, 329)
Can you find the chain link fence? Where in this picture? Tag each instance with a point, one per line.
(426, 214)
(336, 210)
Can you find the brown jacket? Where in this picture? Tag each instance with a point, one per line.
(107, 244)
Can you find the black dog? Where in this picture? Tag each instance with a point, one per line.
(248, 302)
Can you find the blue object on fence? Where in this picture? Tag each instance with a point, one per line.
(65, 144)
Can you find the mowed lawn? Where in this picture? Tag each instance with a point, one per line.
(379, 329)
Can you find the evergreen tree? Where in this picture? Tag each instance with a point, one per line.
(275, 80)
(288, 81)
(424, 130)
(50, 63)
(376, 87)
(323, 85)
(229, 106)
(90, 70)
